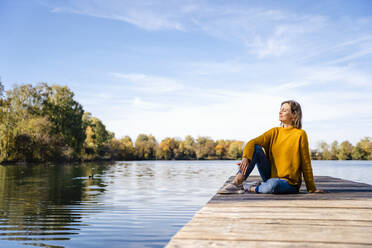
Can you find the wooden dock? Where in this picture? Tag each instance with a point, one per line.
(340, 218)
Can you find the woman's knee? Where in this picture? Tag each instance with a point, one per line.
(258, 152)
(258, 149)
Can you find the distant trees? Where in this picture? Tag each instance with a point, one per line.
(186, 148)
(201, 148)
(168, 149)
(205, 148)
(334, 150)
(362, 150)
(235, 150)
(44, 123)
(126, 147)
(344, 151)
(98, 142)
(146, 146)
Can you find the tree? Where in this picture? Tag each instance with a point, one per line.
(324, 150)
(167, 149)
(1, 89)
(115, 151)
(363, 149)
(6, 130)
(236, 150)
(65, 114)
(180, 151)
(205, 148)
(127, 149)
(334, 150)
(345, 150)
(145, 147)
(20, 104)
(3, 135)
(315, 154)
(45, 123)
(185, 148)
(1, 102)
(98, 138)
(189, 147)
(50, 106)
(222, 148)
(25, 133)
(36, 143)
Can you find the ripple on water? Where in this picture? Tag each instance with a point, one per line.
(126, 204)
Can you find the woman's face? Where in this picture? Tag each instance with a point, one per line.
(285, 114)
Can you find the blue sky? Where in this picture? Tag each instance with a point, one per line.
(208, 68)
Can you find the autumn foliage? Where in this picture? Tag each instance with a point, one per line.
(44, 123)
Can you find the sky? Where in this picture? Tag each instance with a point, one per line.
(202, 68)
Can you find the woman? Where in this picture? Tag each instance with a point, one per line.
(285, 159)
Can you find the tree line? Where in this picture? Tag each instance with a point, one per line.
(44, 123)
(344, 151)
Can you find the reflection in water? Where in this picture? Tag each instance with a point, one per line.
(35, 200)
(121, 204)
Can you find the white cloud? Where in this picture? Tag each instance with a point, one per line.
(149, 21)
(333, 79)
(138, 104)
(352, 56)
(269, 47)
(360, 40)
(291, 85)
(213, 68)
(343, 75)
(140, 14)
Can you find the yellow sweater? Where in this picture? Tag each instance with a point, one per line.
(288, 152)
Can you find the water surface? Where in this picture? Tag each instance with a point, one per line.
(125, 204)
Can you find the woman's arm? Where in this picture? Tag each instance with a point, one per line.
(262, 140)
(306, 168)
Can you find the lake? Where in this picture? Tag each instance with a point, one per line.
(124, 204)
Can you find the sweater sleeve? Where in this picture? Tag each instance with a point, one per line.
(306, 168)
(262, 140)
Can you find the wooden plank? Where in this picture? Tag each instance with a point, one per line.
(287, 233)
(184, 243)
(298, 203)
(252, 221)
(293, 213)
(341, 218)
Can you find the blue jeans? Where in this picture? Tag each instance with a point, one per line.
(269, 185)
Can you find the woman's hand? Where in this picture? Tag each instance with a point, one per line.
(243, 165)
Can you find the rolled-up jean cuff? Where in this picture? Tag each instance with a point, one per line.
(256, 189)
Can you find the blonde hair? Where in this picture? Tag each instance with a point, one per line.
(296, 112)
